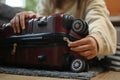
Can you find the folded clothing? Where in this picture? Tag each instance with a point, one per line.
(113, 61)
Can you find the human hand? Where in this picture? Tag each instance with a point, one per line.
(18, 22)
(86, 47)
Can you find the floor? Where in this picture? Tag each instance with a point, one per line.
(109, 75)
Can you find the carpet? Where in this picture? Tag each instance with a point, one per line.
(48, 73)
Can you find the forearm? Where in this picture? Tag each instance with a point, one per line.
(100, 27)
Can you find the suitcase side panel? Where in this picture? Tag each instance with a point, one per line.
(52, 56)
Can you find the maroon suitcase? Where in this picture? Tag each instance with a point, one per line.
(41, 44)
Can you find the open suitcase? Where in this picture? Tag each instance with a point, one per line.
(41, 44)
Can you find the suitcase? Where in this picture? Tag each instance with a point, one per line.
(42, 43)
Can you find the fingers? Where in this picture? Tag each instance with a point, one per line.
(79, 42)
(17, 25)
(18, 22)
(82, 48)
(12, 23)
(22, 18)
(86, 47)
(89, 54)
(84, 44)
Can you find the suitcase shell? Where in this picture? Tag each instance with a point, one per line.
(40, 44)
(34, 49)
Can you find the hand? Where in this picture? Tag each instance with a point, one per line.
(18, 22)
(86, 47)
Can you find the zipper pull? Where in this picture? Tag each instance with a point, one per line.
(14, 49)
(66, 39)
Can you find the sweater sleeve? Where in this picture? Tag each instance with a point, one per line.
(100, 26)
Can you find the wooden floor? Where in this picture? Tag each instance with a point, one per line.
(109, 75)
